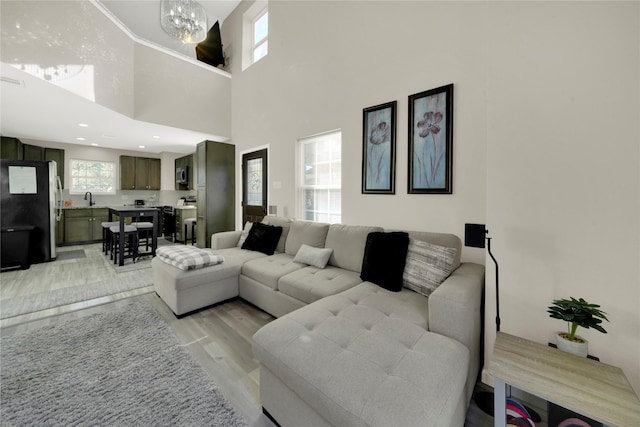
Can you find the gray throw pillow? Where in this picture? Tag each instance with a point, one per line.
(427, 266)
(245, 233)
(318, 257)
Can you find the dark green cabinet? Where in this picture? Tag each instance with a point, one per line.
(184, 164)
(140, 173)
(216, 190)
(14, 149)
(11, 148)
(84, 225)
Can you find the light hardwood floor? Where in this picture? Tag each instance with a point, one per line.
(219, 337)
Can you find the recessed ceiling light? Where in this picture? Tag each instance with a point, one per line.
(156, 137)
(108, 135)
(94, 144)
(140, 146)
(83, 125)
(80, 138)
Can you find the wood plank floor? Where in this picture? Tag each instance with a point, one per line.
(219, 337)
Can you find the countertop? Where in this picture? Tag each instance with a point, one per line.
(107, 207)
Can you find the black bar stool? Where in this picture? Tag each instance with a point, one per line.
(192, 222)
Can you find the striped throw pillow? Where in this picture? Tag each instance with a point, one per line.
(427, 266)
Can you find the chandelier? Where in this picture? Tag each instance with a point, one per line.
(185, 20)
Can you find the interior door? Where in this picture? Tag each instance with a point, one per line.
(254, 186)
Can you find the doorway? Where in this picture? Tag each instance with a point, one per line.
(254, 186)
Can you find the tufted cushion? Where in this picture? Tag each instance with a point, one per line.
(348, 242)
(311, 283)
(307, 233)
(365, 357)
(268, 270)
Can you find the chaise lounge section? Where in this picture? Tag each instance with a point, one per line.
(344, 351)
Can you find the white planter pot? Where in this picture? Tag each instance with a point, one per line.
(577, 348)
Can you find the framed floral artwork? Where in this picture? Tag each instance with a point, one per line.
(379, 149)
(431, 141)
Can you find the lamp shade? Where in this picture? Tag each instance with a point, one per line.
(474, 235)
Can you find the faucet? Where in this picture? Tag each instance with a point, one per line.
(91, 202)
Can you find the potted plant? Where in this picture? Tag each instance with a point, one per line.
(577, 312)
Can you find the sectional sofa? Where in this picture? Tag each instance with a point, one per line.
(344, 351)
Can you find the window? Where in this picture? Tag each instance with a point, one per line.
(255, 33)
(97, 177)
(320, 178)
(260, 37)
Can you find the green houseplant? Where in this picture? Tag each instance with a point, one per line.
(576, 312)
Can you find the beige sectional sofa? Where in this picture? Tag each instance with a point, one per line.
(344, 351)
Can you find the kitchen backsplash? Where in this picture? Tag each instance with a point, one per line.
(128, 197)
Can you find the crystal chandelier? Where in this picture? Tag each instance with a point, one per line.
(186, 20)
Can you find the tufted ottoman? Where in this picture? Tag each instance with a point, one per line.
(362, 357)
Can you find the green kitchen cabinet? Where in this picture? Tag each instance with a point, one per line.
(32, 152)
(140, 173)
(11, 148)
(84, 225)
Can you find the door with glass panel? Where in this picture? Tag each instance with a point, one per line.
(254, 186)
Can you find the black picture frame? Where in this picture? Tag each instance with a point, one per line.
(379, 149)
(431, 141)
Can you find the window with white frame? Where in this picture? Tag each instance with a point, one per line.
(320, 178)
(95, 176)
(255, 33)
(260, 31)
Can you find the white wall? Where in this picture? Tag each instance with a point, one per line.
(545, 137)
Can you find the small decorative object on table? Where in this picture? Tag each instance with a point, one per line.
(576, 313)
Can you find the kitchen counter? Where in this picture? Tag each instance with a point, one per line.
(107, 207)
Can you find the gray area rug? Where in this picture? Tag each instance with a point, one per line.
(120, 368)
(41, 301)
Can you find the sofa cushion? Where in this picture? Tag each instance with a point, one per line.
(267, 270)
(385, 255)
(245, 233)
(262, 238)
(440, 239)
(365, 357)
(305, 233)
(427, 266)
(310, 284)
(348, 242)
(279, 221)
(317, 257)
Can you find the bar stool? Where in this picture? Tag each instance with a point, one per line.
(131, 233)
(144, 230)
(192, 222)
(106, 235)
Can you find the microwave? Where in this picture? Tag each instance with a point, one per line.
(182, 176)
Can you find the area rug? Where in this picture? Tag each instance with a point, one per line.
(122, 367)
(67, 255)
(43, 300)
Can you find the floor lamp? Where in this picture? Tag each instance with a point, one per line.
(474, 237)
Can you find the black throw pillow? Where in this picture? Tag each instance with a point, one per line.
(384, 257)
(262, 238)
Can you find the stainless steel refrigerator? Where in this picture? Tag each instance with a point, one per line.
(30, 204)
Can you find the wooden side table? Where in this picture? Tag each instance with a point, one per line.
(591, 388)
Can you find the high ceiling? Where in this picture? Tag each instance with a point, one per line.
(35, 109)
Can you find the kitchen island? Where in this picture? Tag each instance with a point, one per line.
(139, 214)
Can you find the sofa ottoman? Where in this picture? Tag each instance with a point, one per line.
(185, 291)
(362, 357)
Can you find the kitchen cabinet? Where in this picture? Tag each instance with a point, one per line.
(14, 149)
(185, 163)
(60, 230)
(84, 224)
(11, 148)
(216, 169)
(139, 173)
